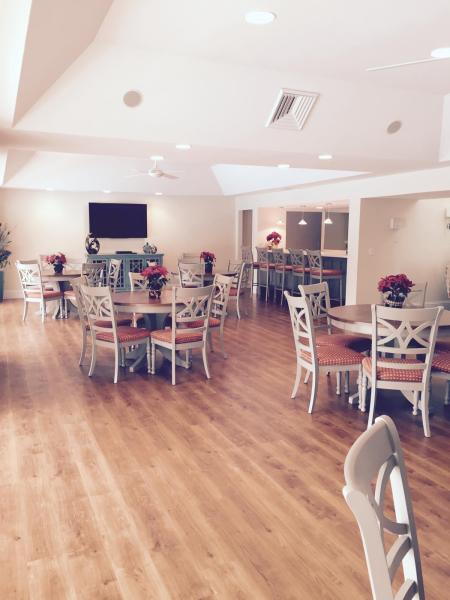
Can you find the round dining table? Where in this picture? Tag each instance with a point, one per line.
(155, 312)
(63, 280)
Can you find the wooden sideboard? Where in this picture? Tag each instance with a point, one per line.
(131, 263)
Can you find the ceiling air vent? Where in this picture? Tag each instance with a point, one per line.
(291, 109)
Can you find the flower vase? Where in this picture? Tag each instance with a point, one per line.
(208, 267)
(154, 290)
(58, 268)
(398, 303)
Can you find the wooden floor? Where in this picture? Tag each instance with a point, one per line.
(211, 489)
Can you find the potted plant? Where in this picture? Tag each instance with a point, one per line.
(57, 260)
(395, 289)
(4, 254)
(157, 277)
(209, 258)
(274, 239)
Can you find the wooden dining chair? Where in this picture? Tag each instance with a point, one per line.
(190, 315)
(101, 316)
(417, 296)
(265, 270)
(399, 337)
(33, 289)
(93, 273)
(241, 284)
(114, 273)
(377, 456)
(191, 275)
(247, 257)
(311, 357)
(222, 286)
(282, 272)
(317, 272)
(138, 282)
(300, 269)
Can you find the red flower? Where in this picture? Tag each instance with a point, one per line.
(156, 273)
(208, 257)
(274, 237)
(57, 258)
(395, 285)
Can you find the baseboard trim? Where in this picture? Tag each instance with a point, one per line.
(12, 295)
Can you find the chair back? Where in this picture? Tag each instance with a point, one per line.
(247, 254)
(263, 256)
(45, 267)
(409, 332)
(242, 279)
(377, 455)
(30, 279)
(447, 279)
(318, 295)
(190, 258)
(73, 264)
(114, 273)
(99, 308)
(298, 258)
(279, 257)
(76, 286)
(191, 307)
(138, 281)
(191, 274)
(416, 297)
(93, 273)
(314, 260)
(302, 327)
(221, 294)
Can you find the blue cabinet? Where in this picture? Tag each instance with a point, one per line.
(131, 263)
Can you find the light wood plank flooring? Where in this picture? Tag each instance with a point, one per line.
(211, 489)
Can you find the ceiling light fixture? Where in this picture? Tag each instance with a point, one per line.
(325, 156)
(319, 207)
(158, 193)
(49, 189)
(328, 220)
(280, 218)
(183, 146)
(156, 157)
(302, 220)
(106, 191)
(260, 17)
(440, 53)
(283, 166)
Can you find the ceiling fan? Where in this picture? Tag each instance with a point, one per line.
(154, 172)
(436, 55)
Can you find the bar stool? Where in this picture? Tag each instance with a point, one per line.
(300, 270)
(280, 260)
(247, 257)
(265, 267)
(318, 274)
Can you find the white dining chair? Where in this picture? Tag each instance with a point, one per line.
(138, 282)
(317, 272)
(190, 314)
(114, 269)
(190, 258)
(377, 455)
(242, 284)
(399, 336)
(33, 290)
(191, 274)
(222, 286)
(265, 270)
(417, 296)
(311, 357)
(440, 367)
(93, 273)
(101, 316)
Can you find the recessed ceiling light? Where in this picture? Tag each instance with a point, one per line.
(106, 191)
(325, 156)
(156, 157)
(283, 166)
(50, 189)
(319, 207)
(260, 17)
(158, 193)
(183, 146)
(441, 53)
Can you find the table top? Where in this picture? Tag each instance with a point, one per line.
(140, 301)
(362, 313)
(59, 277)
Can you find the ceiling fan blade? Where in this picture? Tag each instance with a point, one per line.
(169, 176)
(139, 174)
(404, 64)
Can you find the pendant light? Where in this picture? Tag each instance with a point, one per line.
(280, 219)
(302, 220)
(328, 221)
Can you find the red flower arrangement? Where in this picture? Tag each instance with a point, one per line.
(208, 257)
(156, 274)
(56, 259)
(274, 238)
(395, 287)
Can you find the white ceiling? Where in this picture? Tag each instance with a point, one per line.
(209, 79)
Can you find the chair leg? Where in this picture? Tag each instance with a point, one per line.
(43, 311)
(314, 386)
(83, 347)
(153, 359)
(424, 398)
(174, 366)
(238, 307)
(308, 373)
(205, 362)
(447, 393)
(338, 383)
(210, 341)
(362, 405)
(415, 402)
(298, 376)
(222, 343)
(373, 397)
(117, 353)
(346, 382)
(340, 291)
(149, 357)
(93, 359)
(25, 310)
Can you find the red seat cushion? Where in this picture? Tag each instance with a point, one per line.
(301, 270)
(326, 272)
(183, 336)
(256, 265)
(48, 294)
(233, 292)
(265, 265)
(393, 374)
(358, 343)
(124, 334)
(442, 346)
(283, 267)
(441, 362)
(126, 322)
(213, 322)
(334, 356)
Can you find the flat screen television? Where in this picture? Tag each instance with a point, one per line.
(109, 220)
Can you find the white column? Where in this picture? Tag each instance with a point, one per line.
(353, 249)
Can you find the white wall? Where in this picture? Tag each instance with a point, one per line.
(420, 247)
(43, 222)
